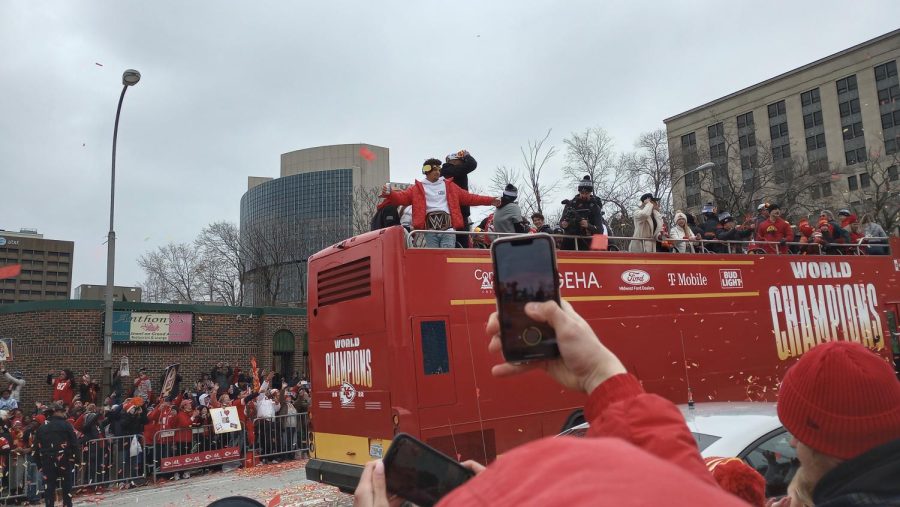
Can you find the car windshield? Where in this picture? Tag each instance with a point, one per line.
(703, 440)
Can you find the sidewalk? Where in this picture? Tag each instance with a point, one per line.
(282, 484)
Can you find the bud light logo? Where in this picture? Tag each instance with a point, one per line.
(635, 277)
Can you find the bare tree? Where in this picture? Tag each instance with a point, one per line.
(649, 163)
(589, 153)
(534, 158)
(220, 245)
(502, 176)
(174, 272)
(365, 203)
(877, 192)
(266, 253)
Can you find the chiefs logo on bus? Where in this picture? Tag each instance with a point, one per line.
(347, 393)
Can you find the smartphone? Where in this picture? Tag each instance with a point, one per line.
(419, 473)
(525, 271)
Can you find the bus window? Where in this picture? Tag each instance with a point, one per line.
(435, 360)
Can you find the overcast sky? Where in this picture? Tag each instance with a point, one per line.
(229, 86)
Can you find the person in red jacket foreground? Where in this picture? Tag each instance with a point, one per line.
(775, 229)
(436, 204)
(841, 403)
(640, 451)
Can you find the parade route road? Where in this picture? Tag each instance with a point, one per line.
(282, 484)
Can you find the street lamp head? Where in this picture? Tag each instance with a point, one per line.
(707, 165)
(130, 77)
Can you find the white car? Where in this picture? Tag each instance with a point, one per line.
(747, 430)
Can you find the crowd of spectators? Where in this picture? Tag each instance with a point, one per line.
(115, 435)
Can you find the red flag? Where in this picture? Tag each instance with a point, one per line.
(600, 242)
(11, 271)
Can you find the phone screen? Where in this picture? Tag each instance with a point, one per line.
(419, 473)
(525, 271)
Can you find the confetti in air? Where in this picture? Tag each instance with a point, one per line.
(10, 271)
(367, 154)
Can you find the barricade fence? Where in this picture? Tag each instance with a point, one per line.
(281, 437)
(864, 246)
(185, 449)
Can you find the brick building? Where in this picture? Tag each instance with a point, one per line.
(50, 335)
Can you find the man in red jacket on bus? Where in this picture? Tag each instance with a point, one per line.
(775, 230)
(436, 204)
(639, 450)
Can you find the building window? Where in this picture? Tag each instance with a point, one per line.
(815, 142)
(745, 120)
(826, 189)
(888, 95)
(889, 120)
(855, 156)
(689, 140)
(885, 71)
(813, 119)
(716, 130)
(781, 152)
(777, 109)
(717, 151)
(779, 131)
(864, 180)
(748, 162)
(818, 166)
(852, 183)
(849, 107)
(891, 146)
(893, 173)
(853, 131)
(747, 140)
(846, 85)
(810, 97)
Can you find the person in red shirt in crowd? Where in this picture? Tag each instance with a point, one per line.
(639, 450)
(63, 389)
(775, 229)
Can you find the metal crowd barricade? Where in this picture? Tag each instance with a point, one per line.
(281, 437)
(185, 449)
(111, 460)
(15, 478)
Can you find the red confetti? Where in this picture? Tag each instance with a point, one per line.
(274, 501)
(10, 271)
(367, 154)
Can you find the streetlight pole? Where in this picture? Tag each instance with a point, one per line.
(129, 78)
(699, 168)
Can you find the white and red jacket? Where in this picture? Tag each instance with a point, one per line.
(456, 196)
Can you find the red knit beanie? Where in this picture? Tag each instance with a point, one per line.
(841, 400)
(738, 478)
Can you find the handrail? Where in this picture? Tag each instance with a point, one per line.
(414, 240)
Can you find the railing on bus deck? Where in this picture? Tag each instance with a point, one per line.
(416, 239)
(185, 449)
(281, 437)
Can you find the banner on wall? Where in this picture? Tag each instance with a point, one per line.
(152, 327)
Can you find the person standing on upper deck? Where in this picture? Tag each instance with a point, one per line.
(458, 166)
(648, 224)
(775, 229)
(436, 204)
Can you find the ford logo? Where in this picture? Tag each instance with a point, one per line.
(635, 277)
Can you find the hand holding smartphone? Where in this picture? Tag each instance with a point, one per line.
(419, 473)
(525, 271)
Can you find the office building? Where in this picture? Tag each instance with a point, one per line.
(824, 135)
(98, 292)
(46, 267)
(324, 195)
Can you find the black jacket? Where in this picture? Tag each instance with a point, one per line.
(133, 424)
(709, 231)
(55, 437)
(734, 234)
(872, 478)
(460, 175)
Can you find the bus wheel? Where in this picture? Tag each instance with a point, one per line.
(574, 419)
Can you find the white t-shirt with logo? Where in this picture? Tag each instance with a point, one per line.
(436, 196)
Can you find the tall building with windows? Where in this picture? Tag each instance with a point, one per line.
(324, 195)
(824, 135)
(46, 267)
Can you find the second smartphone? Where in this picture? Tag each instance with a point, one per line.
(525, 271)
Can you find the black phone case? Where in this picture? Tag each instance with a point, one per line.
(392, 451)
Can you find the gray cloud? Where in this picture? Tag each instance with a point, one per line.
(229, 86)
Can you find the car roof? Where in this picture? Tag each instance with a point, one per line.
(736, 424)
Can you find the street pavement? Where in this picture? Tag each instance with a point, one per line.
(282, 484)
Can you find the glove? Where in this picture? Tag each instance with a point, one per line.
(461, 153)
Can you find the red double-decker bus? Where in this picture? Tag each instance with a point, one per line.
(397, 339)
